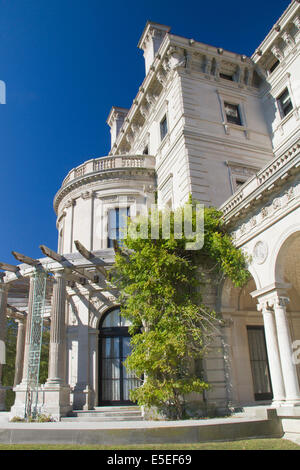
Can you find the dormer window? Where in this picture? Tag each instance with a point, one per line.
(284, 103)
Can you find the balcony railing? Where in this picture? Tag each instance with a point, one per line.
(110, 163)
(270, 171)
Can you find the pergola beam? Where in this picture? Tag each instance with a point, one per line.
(26, 259)
(64, 262)
(15, 313)
(90, 257)
(9, 267)
(52, 254)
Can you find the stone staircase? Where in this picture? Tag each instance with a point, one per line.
(105, 413)
(252, 411)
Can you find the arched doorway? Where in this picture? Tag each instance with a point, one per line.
(115, 382)
(287, 276)
(247, 352)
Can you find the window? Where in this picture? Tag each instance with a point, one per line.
(146, 150)
(232, 113)
(259, 363)
(226, 76)
(117, 222)
(61, 242)
(274, 66)
(240, 173)
(284, 103)
(163, 127)
(239, 183)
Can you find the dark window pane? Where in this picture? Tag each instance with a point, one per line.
(226, 76)
(232, 113)
(274, 66)
(284, 103)
(259, 363)
(117, 220)
(163, 127)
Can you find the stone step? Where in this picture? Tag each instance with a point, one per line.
(106, 413)
(94, 419)
(116, 408)
(98, 414)
(252, 411)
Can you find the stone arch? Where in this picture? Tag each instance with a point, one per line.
(237, 298)
(287, 268)
(239, 310)
(279, 251)
(100, 312)
(98, 308)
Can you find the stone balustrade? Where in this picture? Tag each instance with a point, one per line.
(110, 163)
(276, 168)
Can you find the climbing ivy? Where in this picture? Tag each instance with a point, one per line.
(161, 287)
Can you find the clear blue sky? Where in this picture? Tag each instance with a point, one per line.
(65, 63)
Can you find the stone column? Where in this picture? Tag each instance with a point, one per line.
(28, 331)
(3, 306)
(56, 392)
(273, 354)
(20, 389)
(285, 347)
(20, 351)
(57, 358)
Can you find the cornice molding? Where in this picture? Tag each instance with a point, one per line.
(104, 175)
(273, 174)
(280, 33)
(285, 202)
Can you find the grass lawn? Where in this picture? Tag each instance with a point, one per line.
(250, 444)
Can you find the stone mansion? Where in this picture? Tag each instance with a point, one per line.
(225, 128)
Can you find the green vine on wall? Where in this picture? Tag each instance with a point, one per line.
(162, 285)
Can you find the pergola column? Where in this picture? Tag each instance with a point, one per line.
(289, 370)
(3, 307)
(20, 351)
(56, 392)
(56, 374)
(28, 331)
(273, 354)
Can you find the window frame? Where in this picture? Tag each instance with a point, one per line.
(161, 128)
(281, 109)
(117, 228)
(239, 113)
(226, 76)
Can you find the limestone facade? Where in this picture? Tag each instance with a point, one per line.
(225, 128)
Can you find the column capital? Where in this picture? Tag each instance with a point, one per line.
(59, 273)
(278, 300)
(263, 305)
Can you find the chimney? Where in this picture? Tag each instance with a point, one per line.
(151, 39)
(115, 121)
